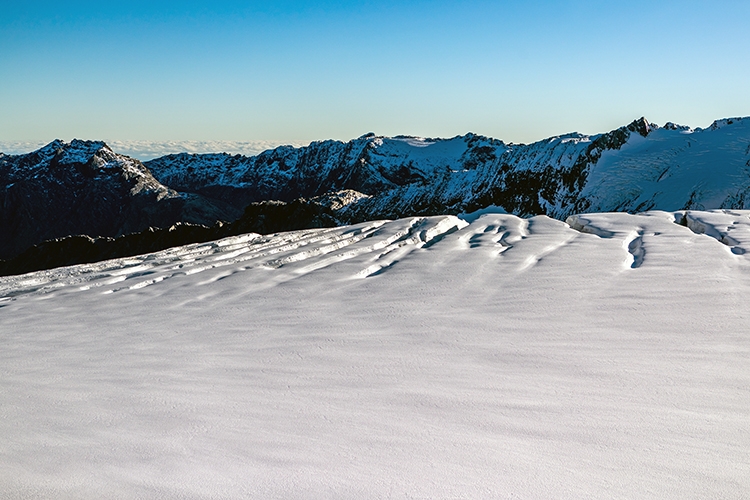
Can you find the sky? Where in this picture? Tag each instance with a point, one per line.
(297, 71)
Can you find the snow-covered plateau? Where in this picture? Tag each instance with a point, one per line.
(480, 356)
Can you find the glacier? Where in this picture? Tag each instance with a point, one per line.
(479, 355)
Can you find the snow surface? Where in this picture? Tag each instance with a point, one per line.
(418, 358)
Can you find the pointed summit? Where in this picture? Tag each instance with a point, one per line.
(642, 126)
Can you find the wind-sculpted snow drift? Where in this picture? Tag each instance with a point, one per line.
(85, 188)
(429, 357)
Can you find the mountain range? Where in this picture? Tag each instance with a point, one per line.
(79, 201)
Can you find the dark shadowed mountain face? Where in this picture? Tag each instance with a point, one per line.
(264, 217)
(84, 188)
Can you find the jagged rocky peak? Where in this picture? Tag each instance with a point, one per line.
(80, 151)
(642, 126)
(95, 158)
(675, 126)
(74, 152)
(471, 137)
(51, 148)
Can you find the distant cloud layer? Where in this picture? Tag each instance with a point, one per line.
(146, 150)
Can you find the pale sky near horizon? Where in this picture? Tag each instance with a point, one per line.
(299, 71)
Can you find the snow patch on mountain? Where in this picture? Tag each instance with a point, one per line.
(669, 169)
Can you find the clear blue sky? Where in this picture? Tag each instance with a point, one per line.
(298, 70)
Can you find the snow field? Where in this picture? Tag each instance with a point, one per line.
(420, 358)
